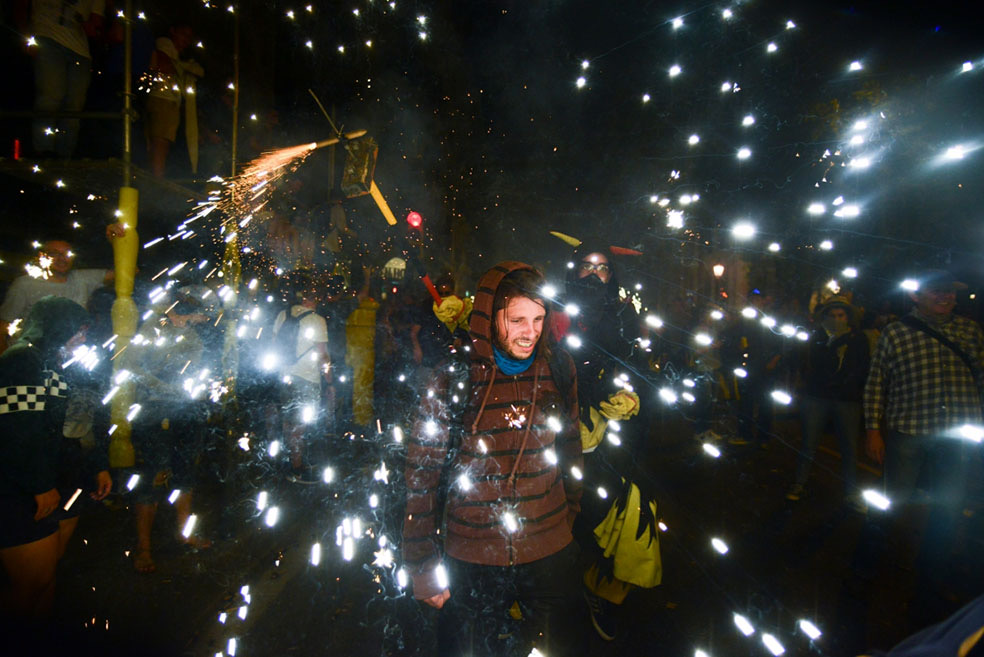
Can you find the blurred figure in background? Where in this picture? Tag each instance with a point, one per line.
(165, 359)
(172, 84)
(55, 276)
(922, 409)
(836, 369)
(62, 66)
(302, 338)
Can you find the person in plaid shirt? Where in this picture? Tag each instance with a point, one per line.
(922, 405)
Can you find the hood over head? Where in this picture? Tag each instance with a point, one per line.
(595, 298)
(51, 323)
(480, 322)
(586, 248)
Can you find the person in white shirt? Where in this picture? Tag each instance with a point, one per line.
(62, 281)
(302, 371)
(173, 84)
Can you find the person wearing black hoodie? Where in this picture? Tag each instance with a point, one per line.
(602, 330)
(836, 369)
(35, 487)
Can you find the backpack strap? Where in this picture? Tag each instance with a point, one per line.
(919, 325)
(562, 371)
(298, 318)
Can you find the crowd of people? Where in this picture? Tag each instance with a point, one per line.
(515, 398)
(76, 51)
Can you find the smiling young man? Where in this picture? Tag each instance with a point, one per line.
(492, 475)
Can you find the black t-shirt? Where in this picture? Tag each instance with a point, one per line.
(434, 337)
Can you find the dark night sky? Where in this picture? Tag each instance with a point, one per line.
(483, 122)
(484, 130)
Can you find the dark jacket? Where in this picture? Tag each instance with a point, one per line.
(32, 397)
(837, 369)
(502, 466)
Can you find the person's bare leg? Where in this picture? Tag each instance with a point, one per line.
(31, 571)
(65, 530)
(143, 560)
(159, 148)
(295, 439)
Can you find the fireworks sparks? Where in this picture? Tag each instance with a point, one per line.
(189, 526)
(809, 629)
(876, 499)
(241, 200)
(743, 625)
(515, 417)
(773, 644)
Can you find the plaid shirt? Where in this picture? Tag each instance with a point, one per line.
(917, 386)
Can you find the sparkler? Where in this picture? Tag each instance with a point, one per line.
(71, 500)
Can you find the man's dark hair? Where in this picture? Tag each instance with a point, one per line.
(302, 287)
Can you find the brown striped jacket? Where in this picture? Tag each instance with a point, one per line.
(513, 484)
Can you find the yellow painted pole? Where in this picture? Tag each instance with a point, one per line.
(124, 312)
(124, 325)
(231, 274)
(360, 355)
(384, 207)
(231, 265)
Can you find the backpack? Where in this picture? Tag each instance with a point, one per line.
(285, 338)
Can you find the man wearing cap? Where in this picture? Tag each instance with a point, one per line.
(836, 368)
(922, 392)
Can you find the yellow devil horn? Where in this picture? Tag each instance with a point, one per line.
(573, 241)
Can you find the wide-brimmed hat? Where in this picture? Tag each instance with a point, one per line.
(838, 302)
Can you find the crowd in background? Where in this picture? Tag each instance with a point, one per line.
(330, 354)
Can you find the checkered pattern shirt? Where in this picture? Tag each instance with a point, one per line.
(917, 386)
(14, 399)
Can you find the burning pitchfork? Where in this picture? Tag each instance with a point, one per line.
(245, 194)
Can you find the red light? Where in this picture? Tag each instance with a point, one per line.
(414, 219)
(394, 289)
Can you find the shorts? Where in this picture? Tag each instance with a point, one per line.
(301, 401)
(162, 118)
(167, 437)
(17, 524)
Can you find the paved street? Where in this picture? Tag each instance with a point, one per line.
(786, 561)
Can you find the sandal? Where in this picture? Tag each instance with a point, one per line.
(143, 562)
(195, 542)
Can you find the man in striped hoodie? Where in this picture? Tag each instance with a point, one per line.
(493, 477)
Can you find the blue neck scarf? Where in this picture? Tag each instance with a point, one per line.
(509, 365)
